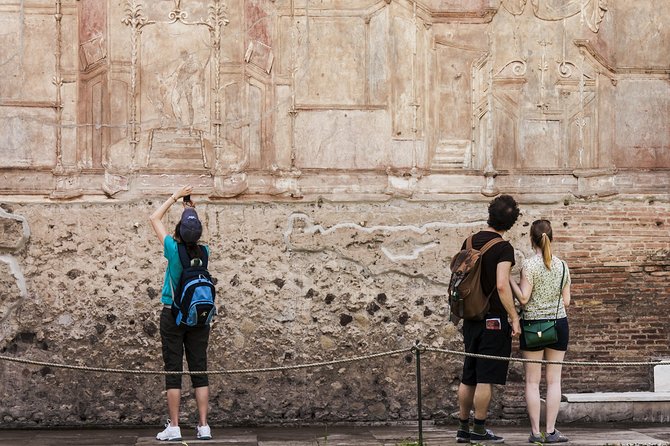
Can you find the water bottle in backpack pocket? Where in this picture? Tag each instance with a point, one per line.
(193, 300)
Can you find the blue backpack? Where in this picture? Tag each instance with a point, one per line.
(193, 301)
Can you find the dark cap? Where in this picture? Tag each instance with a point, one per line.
(190, 229)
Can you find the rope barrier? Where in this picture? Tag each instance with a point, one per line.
(208, 372)
(544, 361)
(421, 348)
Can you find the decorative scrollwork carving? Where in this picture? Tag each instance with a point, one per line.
(178, 15)
(517, 67)
(565, 69)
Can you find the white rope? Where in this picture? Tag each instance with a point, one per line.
(418, 347)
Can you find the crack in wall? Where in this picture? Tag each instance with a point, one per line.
(396, 257)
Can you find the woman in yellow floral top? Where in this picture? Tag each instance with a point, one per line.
(544, 293)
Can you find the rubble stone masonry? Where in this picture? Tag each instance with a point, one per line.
(301, 283)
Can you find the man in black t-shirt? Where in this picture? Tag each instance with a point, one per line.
(493, 335)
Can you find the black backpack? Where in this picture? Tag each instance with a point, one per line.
(466, 297)
(193, 301)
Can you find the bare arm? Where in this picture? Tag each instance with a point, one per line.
(505, 292)
(566, 295)
(156, 218)
(523, 289)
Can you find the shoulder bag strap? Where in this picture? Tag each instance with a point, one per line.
(560, 291)
(468, 242)
(489, 244)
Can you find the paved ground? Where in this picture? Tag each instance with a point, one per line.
(587, 435)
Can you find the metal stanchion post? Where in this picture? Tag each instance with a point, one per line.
(417, 351)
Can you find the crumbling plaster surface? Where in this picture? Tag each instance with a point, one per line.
(296, 284)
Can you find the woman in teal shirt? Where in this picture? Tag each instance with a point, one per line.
(176, 339)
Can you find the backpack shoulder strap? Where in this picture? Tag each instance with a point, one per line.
(489, 244)
(205, 256)
(183, 256)
(185, 259)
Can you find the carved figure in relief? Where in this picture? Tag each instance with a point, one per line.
(190, 78)
(162, 101)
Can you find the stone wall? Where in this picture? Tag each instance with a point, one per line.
(302, 283)
(340, 151)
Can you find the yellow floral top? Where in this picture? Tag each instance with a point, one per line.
(545, 295)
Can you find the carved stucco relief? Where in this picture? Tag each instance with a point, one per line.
(534, 97)
(132, 95)
(175, 113)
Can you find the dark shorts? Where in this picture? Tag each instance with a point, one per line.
(563, 331)
(486, 339)
(176, 340)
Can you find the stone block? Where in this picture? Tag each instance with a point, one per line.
(662, 378)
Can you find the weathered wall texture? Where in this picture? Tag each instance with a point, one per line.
(302, 283)
(340, 151)
(260, 97)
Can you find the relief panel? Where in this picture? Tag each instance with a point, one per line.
(11, 56)
(174, 120)
(92, 33)
(93, 99)
(643, 138)
(27, 137)
(641, 37)
(333, 72)
(378, 58)
(543, 90)
(34, 62)
(453, 95)
(402, 58)
(343, 139)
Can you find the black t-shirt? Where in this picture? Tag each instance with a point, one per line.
(500, 252)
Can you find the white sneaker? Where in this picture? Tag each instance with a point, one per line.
(171, 433)
(204, 432)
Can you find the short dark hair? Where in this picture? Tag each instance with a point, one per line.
(503, 212)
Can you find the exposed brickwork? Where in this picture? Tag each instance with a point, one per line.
(619, 257)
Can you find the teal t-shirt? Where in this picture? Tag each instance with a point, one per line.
(173, 270)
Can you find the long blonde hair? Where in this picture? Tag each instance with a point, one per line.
(541, 236)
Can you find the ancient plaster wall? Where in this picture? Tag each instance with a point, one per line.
(340, 151)
(302, 283)
(269, 97)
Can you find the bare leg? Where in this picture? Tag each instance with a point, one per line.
(533, 377)
(466, 395)
(553, 387)
(202, 400)
(482, 400)
(173, 400)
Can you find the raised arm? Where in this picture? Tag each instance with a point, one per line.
(156, 218)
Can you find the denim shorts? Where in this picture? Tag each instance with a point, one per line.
(563, 331)
(177, 340)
